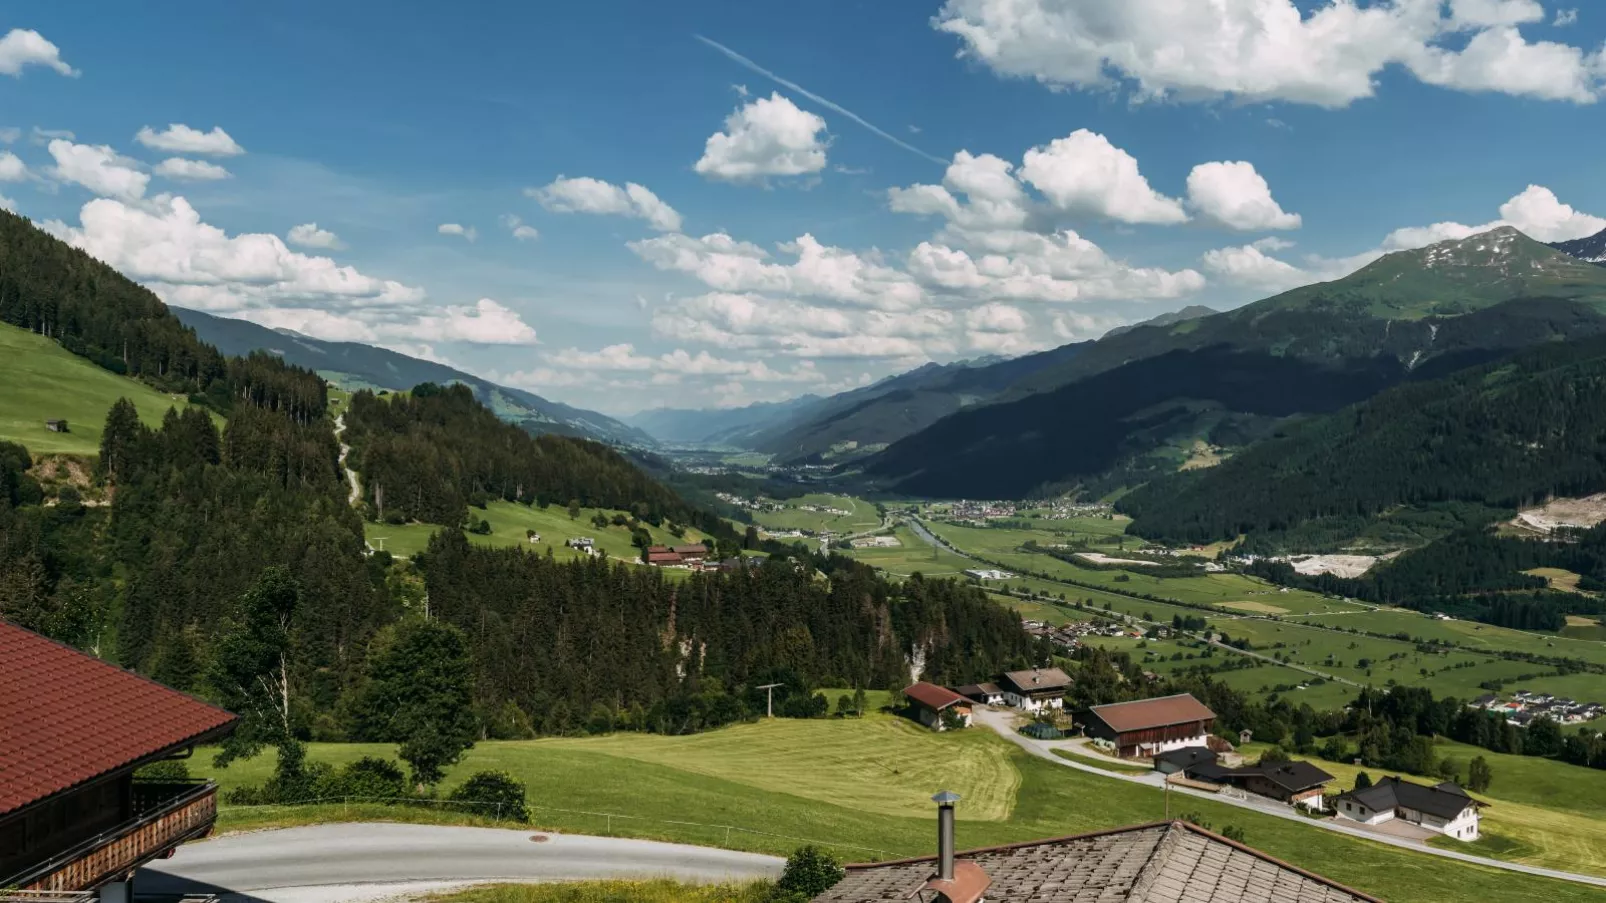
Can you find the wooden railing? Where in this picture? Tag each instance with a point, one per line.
(165, 816)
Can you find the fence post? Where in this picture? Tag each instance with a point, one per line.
(610, 823)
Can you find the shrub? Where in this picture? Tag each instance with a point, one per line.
(368, 778)
(810, 871)
(493, 793)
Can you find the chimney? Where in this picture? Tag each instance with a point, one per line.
(945, 801)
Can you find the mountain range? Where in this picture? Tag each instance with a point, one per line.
(353, 365)
(1132, 406)
(1592, 249)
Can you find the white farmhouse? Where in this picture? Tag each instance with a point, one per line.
(1037, 690)
(1443, 808)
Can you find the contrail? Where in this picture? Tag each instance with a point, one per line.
(817, 99)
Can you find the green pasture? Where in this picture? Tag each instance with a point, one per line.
(864, 785)
(43, 381)
(860, 517)
(509, 522)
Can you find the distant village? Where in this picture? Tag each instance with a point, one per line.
(1525, 706)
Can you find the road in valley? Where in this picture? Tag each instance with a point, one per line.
(342, 863)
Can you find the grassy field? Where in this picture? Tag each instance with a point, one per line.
(912, 555)
(1540, 812)
(861, 515)
(510, 520)
(662, 891)
(865, 784)
(1467, 634)
(43, 381)
(1208, 589)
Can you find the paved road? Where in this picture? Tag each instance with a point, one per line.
(1000, 721)
(350, 862)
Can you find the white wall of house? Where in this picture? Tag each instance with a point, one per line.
(1463, 827)
(1149, 749)
(1028, 704)
(1356, 812)
(1312, 802)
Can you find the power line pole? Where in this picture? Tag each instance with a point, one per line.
(769, 705)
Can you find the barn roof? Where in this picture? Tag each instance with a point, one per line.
(1145, 714)
(68, 718)
(933, 696)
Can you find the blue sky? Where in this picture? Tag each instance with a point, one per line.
(1014, 174)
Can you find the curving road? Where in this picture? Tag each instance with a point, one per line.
(1002, 722)
(341, 863)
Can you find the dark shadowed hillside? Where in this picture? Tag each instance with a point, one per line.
(355, 365)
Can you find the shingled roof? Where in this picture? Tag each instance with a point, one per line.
(1164, 862)
(934, 697)
(1446, 800)
(1145, 714)
(68, 717)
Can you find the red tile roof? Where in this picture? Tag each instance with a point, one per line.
(664, 558)
(933, 696)
(1151, 713)
(67, 717)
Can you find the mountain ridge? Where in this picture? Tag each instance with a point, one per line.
(1449, 305)
(382, 368)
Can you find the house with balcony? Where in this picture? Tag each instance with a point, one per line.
(75, 819)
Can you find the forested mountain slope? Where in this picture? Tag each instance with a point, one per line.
(1396, 306)
(898, 406)
(230, 564)
(365, 366)
(1502, 435)
(1127, 408)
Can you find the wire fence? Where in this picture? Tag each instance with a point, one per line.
(488, 807)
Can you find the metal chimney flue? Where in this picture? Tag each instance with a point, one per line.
(945, 801)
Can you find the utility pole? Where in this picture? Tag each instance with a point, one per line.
(769, 705)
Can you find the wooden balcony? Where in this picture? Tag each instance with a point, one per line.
(165, 814)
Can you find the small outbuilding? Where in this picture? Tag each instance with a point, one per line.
(56, 426)
(933, 704)
(986, 693)
(1184, 759)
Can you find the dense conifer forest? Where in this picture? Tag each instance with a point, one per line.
(1501, 435)
(217, 553)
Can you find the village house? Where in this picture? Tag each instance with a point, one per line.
(1161, 861)
(1037, 690)
(986, 693)
(74, 819)
(1443, 808)
(584, 543)
(1295, 783)
(56, 426)
(1150, 726)
(931, 704)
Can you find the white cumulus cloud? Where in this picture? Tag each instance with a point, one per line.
(725, 264)
(771, 136)
(164, 244)
(458, 229)
(518, 229)
(1252, 268)
(1327, 53)
(178, 138)
(1083, 172)
(308, 235)
(1536, 212)
(12, 169)
(190, 170)
(1235, 195)
(23, 47)
(99, 169)
(588, 195)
